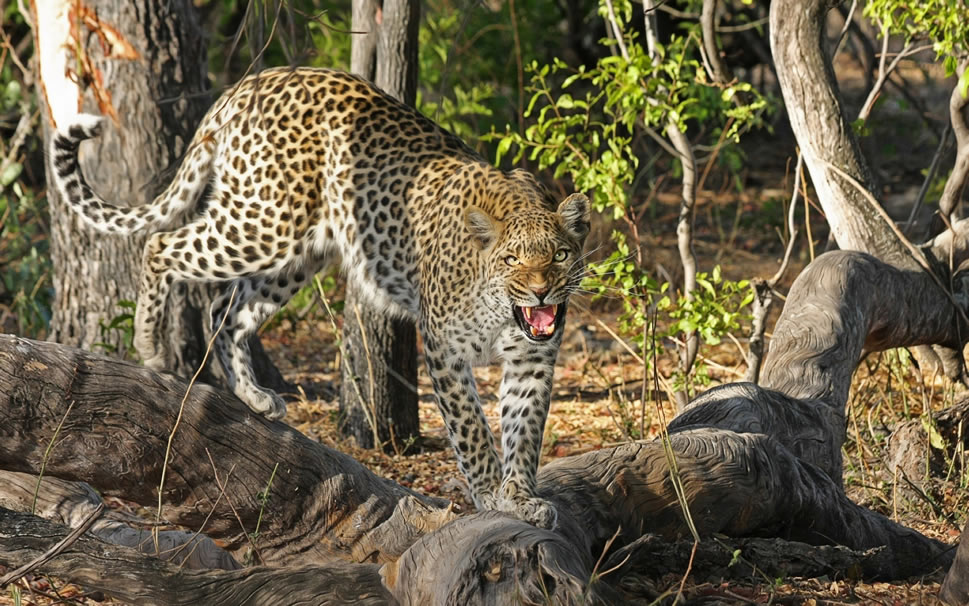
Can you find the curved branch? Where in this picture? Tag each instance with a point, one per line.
(959, 116)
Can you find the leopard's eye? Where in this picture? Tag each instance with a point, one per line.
(512, 260)
(561, 255)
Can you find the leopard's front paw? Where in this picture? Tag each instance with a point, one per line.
(534, 510)
(485, 501)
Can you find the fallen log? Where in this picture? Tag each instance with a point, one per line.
(752, 461)
(130, 576)
(71, 502)
(955, 587)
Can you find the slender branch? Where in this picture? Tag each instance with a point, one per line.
(60, 546)
(616, 30)
(844, 29)
(958, 110)
(929, 176)
(764, 289)
(719, 72)
(884, 72)
(684, 224)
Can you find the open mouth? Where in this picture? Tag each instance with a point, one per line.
(540, 322)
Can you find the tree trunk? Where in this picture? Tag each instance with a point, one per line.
(824, 133)
(159, 100)
(158, 97)
(752, 461)
(378, 401)
(955, 588)
(830, 149)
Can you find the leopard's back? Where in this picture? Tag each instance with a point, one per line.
(314, 161)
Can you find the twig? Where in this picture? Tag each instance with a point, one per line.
(884, 72)
(717, 69)
(686, 573)
(346, 359)
(235, 512)
(373, 379)
(929, 175)
(915, 252)
(175, 552)
(614, 22)
(844, 29)
(56, 549)
(50, 447)
(18, 139)
(181, 408)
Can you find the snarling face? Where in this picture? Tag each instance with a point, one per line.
(536, 257)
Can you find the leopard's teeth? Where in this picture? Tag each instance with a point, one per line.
(534, 331)
(528, 312)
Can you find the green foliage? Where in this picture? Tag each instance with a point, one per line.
(123, 324)
(25, 270)
(457, 99)
(25, 286)
(942, 22)
(588, 124)
(714, 309)
(331, 41)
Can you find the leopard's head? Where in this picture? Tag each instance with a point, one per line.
(533, 261)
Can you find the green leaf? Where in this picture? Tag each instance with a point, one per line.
(935, 438)
(503, 146)
(950, 64)
(10, 174)
(964, 84)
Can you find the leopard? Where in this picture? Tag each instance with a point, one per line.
(295, 169)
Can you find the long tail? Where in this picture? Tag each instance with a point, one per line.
(178, 198)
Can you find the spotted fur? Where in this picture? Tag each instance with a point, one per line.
(304, 164)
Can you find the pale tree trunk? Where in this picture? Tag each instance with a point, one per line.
(378, 402)
(158, 96)
(841, 177)
(684, 223)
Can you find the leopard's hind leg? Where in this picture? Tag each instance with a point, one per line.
(253, 300)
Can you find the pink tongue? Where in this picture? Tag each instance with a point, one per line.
(542, 317)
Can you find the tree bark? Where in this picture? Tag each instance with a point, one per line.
(158, 98)
(378, 401)
(753, 461)
(127, 575)
(841, 177)
(71, 502)
(823, 130)
(955, 588)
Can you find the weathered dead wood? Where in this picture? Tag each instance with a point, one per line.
(70, 502)
(737, 484)
(753, 462)
(955, 588)
(130, 576)
(322, 505)
(750, 558)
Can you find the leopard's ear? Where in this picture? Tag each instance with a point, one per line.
(575, 215)
(484, 229)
